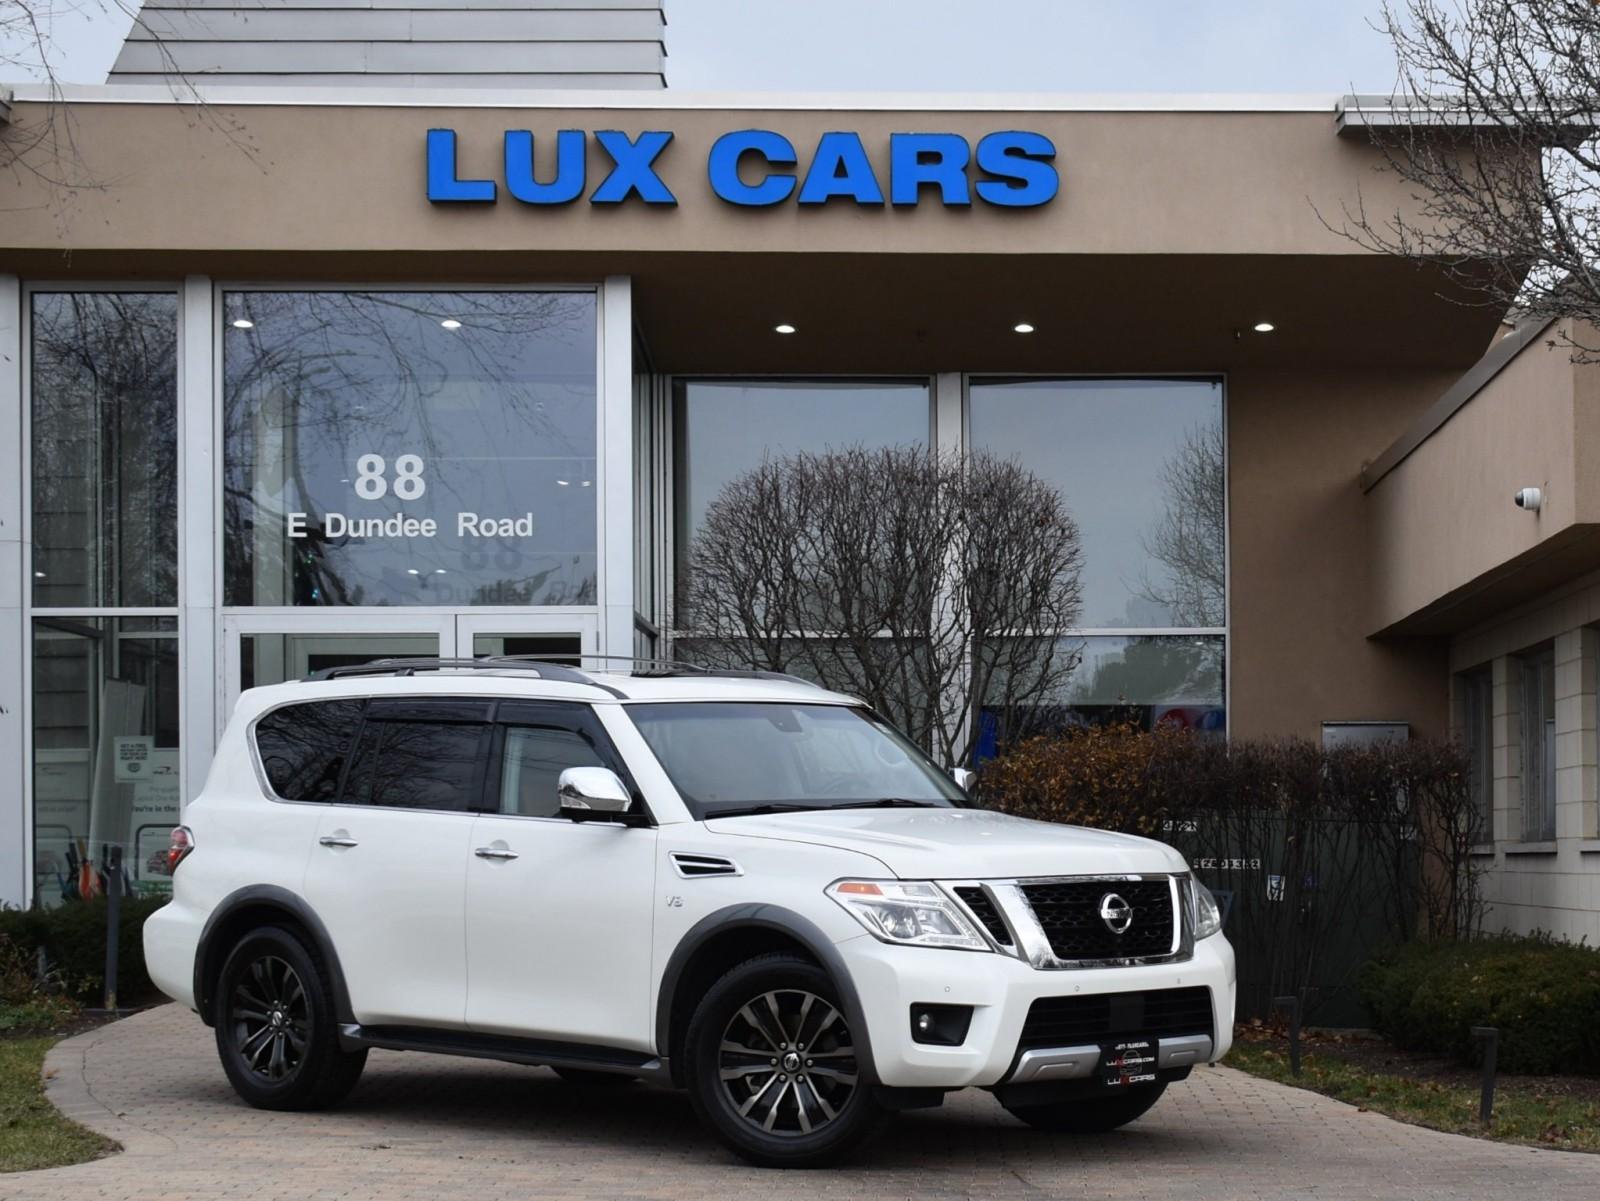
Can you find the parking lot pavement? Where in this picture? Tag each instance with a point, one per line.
(437, 1129)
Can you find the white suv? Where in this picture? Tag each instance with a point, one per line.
(738, 884)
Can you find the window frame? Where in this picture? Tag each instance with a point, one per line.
(950, 408)
(573, 717)
(1476, 717)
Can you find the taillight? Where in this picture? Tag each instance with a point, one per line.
(178, 849)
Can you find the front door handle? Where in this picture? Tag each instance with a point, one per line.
(329, 840)
(495, 853)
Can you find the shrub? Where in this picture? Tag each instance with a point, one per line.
(1542, 995)
(73, 938)
(1320, 853)
(29, 1000)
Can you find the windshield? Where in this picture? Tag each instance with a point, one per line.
(728, 758)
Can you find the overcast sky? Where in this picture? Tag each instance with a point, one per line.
(953, 45)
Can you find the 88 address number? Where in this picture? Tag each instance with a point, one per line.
(372, 480)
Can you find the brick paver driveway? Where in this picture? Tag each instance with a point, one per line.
(441, 1129)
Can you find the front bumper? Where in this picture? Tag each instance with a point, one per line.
(1001, 989)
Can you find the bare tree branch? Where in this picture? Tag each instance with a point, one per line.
(927, 585)
(1495, 132)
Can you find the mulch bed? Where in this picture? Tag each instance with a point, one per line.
(1371, 1053)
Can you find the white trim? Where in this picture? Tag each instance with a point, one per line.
(16, 827)
(296, 96)
(198, 543)
(614, 468)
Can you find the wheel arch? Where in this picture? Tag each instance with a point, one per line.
(729, 936)
(262, 905)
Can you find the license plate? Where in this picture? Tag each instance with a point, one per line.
(1122, 1064)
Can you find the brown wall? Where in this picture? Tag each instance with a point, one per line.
(1301, 555)
(351, 178)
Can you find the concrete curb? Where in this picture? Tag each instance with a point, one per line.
(67, 1087)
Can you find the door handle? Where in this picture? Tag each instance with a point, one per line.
(328, 840)
(495, 853)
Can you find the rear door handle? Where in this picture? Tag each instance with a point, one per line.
(328, 840)
(495, 853)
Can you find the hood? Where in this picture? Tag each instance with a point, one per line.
(961, 844)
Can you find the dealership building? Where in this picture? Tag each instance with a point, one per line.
(331, 332)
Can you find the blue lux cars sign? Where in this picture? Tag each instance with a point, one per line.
(758, 167)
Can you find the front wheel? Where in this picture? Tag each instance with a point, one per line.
(774, 1068)
(275, 1025)
(1096, 1115)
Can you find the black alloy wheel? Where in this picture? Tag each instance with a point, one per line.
(775, 1069)
(275, 1025)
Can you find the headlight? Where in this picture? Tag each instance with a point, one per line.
(1205, 919)
(914, 914)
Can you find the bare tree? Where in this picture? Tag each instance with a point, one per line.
(927, 585)
(1190, 540)
(1494, 129)
(43, 145)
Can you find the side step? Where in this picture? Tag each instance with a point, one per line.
(535, 1052)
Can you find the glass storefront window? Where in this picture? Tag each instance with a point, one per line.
(1143, 680)
(410, 448)
(105, 751)
(1141, 466)
(724, 428)
(103, 371)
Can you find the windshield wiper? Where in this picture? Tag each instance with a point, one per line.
(755, 810)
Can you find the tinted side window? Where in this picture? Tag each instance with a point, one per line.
(418, 765)
(533, 762)
(303, 747)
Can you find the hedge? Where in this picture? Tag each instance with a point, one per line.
(1542, 995)
(73, 937)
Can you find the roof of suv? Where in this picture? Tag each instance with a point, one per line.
(543, 682)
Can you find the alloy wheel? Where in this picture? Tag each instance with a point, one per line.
(787, 1062)
(270, 1014)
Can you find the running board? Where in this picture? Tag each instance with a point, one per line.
(534, 1052)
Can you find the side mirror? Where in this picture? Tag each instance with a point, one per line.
(590, 792)
(965, 778)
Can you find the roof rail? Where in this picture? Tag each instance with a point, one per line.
(411, 666)
(671, 667)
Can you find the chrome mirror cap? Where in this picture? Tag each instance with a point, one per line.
(587, 791)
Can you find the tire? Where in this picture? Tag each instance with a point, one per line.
(817, 1111)
(587, 1078)
(277, 1034)
(1097, 1115)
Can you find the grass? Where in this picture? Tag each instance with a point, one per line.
(33, 1134)
(1523, 1114)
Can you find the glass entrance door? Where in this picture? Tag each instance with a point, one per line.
(269, 648)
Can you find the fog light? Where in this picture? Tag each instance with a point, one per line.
(940, 1025)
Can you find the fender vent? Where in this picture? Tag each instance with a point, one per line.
(694, 867)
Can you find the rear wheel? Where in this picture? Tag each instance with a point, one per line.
(774, 1068)
(275, 1026)
(1096, 1115)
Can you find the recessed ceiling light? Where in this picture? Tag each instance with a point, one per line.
(243, 323)
(564, 483)
(586, 483)
(450, 323)
(1264, 327)
(438, 571)
(785, 328)
(1022, 327)
(38, 575)
(412, 571)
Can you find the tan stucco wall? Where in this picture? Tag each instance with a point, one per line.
(1445, 517)
(351, 178)
(1301, 563)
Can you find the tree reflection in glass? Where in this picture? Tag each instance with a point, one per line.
(460, 409)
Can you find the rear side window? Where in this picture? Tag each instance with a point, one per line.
(415, 763)
(303, 748)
